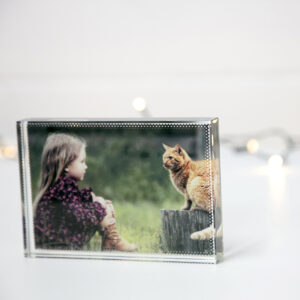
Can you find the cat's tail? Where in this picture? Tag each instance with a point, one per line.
(206, 233)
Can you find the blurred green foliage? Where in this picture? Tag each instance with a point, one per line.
(124, 164)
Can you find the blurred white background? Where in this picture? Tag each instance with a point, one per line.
(238, 60)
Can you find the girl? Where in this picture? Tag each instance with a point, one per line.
(64, 216)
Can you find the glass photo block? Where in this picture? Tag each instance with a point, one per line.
(144, 190)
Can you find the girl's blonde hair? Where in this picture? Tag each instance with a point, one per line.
(59, 151)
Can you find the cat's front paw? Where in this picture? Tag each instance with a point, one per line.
(196, 208)
(185, 207)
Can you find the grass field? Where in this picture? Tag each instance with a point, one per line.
(138, 224)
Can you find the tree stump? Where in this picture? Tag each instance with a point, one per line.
(177, 227)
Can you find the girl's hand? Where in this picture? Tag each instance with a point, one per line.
(101, 200)
(110, 207)
(98, 199)
(107, 204)
(110, 214)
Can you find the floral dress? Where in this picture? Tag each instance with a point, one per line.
(66, 217)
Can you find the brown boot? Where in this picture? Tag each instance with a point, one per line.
(113, 241)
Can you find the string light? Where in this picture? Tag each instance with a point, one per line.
(275, 161)
(139, 104)
(252, 146)
(271, 145)
(9, 152)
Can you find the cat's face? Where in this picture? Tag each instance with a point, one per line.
(174, 158)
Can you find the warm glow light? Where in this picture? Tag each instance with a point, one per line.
(252, 146)
(275, 161)
(277, 211)
(139, 104)
(9, 151)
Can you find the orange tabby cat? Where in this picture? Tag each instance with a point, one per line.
(194, 180)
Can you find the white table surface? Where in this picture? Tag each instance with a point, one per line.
(261, 215)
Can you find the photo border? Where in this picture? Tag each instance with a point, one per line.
(26, 187)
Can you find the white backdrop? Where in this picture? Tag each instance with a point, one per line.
(236, 60)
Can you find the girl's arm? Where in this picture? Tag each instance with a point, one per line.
(84, 214)
(106, 203)
(77, 211)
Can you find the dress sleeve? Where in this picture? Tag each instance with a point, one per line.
(83, 214)
(86, 194)
(76, 205)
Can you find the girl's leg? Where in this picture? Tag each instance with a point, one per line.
(109, 219)
(111, 238)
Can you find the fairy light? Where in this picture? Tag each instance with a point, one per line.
(252, 146)
(139, 104)
(272, 145)
(275, 161)
(9, 152)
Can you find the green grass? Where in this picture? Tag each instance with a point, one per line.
(138, 223)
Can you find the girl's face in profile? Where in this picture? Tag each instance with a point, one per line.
(77, 167)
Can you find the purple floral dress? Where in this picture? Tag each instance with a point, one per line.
(66, 217)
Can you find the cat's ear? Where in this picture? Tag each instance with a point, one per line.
(178, 149)
(166, 147)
